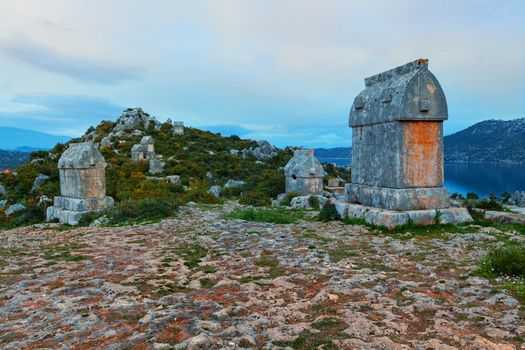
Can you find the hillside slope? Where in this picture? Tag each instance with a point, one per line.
(490, 141)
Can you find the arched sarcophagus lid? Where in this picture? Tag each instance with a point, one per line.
(81, 156)
(408, 92)
(303, 165)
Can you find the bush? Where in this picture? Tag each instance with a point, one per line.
(289, 197)
(472, 195)
(257, 199)
(504, 262)
(489, 204)
(32, 214)
(200, 195)
(329, 213)
(143, 209)
(313, 201)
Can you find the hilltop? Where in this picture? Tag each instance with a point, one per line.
(199, 161)
(490, 141)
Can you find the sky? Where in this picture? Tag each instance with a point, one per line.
(282, 70)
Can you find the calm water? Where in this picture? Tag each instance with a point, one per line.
(480, 178)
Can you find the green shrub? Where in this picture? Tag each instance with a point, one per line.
(329, 213)
(257, 199)
(143, 209)
(313, 201)
(200, 195)
(288, 199)
(504, 262)
(472, 195)
(32, 214)
(488, 204)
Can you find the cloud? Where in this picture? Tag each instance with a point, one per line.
(47, 58)
(69, 115)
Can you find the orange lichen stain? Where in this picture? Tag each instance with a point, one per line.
(422, 163)
(431, 88)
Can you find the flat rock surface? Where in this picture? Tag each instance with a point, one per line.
(203, 282)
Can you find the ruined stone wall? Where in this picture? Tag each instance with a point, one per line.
(304, 185)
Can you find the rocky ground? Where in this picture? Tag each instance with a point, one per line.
(203, 282)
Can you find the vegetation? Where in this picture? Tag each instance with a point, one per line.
(132, 211)
(329, 213)
(257, 199)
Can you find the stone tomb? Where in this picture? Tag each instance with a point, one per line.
(304, 174)
(397, 150)
(144, 150)
(178, 128)
(397, 140)
(82, 184)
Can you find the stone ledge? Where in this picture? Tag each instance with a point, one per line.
(392, 219)
(64, 216)
(403, 199)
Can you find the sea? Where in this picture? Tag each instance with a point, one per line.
(483, 179)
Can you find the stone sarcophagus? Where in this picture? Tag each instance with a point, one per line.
(304, 173)
(82, 184)
(397, 141)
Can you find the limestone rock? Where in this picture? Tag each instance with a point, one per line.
(234, 183)
(303, 202)
(264, 150)
(174, 179)
(501, 216)
(215, 190)
(156, 166)
(454, 216)
(133, 118)
(15, 208)
(2, 190)
(3, 203)
(389, 219)
(40, 180)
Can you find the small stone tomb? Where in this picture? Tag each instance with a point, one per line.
(82, 184)
(304, 174)
(144, 150)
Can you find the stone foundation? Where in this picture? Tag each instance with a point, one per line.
(402, 199)
(71, 210)
(392, 219)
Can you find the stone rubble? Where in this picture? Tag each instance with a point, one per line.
(202, 282)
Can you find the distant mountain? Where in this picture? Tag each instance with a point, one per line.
(23, 139)
(490, 141)
(12, 159)
(337, 152)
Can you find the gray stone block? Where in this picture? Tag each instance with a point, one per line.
(422, 217)
(500, 216)
(454, 216)
(386, 218)
(356, 211)
(402, 199)
(15, 208)
(342, 209)
(304, 174)
(83, 204)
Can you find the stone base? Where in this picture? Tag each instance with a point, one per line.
(71, 210)
(392, 219)
(85, 204)
(398, 198)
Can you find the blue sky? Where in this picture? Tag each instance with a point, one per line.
(286, 71)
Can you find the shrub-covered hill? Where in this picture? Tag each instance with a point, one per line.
(200, 158)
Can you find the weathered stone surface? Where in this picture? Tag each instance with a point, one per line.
(3, 203)
(422, 217)
(389, 219)
(174, 179)
(342, 209)
(82, 184)
(134, 118)
(397, 140)
(304, 173)
(15, 208)
(234, 183)
(501, 216)
(130, 287)
(215, 190)
(454, 216)
(303, 202)
(518, 198)
(333, 182)
(2, 190)
(40, 180)
(264, 150)
(156, 166)
(144, 150)
(401, 199)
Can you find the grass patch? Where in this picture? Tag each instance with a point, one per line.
(206, 283)
(328, 329)
(192, 254)
(508, 263)
(275, 216)
(274, 270)
(63, 252)
(341, 252)
(141, 211)
(312, 235)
